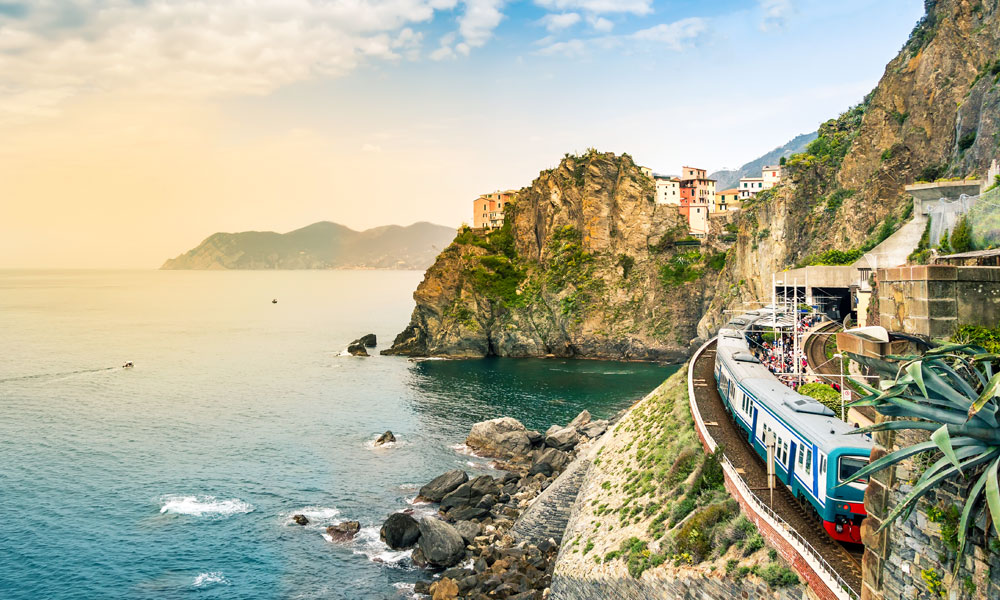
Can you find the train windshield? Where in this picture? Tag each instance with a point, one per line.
(849, 465)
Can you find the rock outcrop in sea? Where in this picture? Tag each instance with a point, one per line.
(587, 264)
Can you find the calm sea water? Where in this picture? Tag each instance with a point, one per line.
(177, 478)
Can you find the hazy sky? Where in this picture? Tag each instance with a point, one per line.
(133, 129)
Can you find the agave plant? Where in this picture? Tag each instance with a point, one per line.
(953, 392)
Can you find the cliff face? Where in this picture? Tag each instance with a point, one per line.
(934, 114)
(585, 266)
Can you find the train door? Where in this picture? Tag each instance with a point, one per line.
(791, 464)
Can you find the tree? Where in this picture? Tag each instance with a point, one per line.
(961, 236)
(943, 246)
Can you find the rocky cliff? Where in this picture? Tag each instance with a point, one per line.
(934, 114)
(322, 245)
(587, 265)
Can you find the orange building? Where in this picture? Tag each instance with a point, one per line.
(487, 210)
(697, 199)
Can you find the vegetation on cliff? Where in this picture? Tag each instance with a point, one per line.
(654, 499)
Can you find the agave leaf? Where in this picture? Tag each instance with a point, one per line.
(894, 426)
(901, 454)
(993, 494)
(989, 392)
(945, 462)
(931, 413)
(922, 488)
(943, 441)
(939, 386)
(946, 348)
(970, 503)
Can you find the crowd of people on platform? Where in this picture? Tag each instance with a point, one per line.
(776, 351)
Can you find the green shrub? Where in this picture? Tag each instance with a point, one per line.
(988, 338)
(961, 235)
(776, 575)
(695, 536)
(681, 268)
(822, 392)
(754, 543)
(966, 141)
(681, 510)
(731, 565)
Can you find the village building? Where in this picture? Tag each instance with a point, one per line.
(770, 176)
(668, 189)
(487, 209)
(697, 194)
(727, 200)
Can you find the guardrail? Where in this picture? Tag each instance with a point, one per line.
(820, 567)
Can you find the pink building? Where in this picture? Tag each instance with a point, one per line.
(487, 210)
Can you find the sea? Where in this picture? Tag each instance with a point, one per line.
(178, 478)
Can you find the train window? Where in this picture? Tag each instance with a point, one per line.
(802, 456)
(809, 461)
(849, 465)
(822, 465)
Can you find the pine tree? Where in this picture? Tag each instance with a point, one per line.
(943, 246)
(961, 236)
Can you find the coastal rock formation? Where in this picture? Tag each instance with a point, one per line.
(321, 245)
(549, 461)
(356, 348)
(441, 545)
(400, 531)
(442, 485)
(343, 532)
(504, 438)
(300, 520)
(586, 265)
(563, 438)
(934, 114)
(385, 438)
(368, 340)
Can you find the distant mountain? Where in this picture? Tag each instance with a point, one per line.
(322, 245)
(725, 180)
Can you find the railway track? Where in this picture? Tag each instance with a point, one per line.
(844, 558)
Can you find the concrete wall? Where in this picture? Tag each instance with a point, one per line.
(933, 300)
(896, 559)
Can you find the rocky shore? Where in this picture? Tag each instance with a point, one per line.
(468, 548)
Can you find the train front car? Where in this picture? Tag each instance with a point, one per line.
(845, 502)
(815, 451)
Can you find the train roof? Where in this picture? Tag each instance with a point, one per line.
(805, 414)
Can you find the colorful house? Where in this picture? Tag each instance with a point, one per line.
(727, 200)
(668, 189)
(487, 209)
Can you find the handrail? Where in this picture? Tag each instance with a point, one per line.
(819, 565)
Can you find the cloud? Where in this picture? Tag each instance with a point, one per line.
(597, 7)
(776, 13)
(559, 21)
(600, 23)
(57, 50)
(677, 35)
(568, 49)
(476, 26)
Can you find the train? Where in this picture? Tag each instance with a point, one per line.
(813, 452)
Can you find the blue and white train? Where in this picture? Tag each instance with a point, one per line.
(813, 453)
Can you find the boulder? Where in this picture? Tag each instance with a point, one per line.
(535, 437)
(300, 520)
(343, 532)
(400, 531)
(552, 430)
(562, 439)
(499, 438)
(468, 530)
(581, 419)
(467, 513)
(385, 438)
(368, 341)
(549, 461)
(440, 544)
(442, 485)
(356, 349)
(595, 428)
(471, 492)
(445, 589)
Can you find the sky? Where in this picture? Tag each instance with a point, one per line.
(130, 130)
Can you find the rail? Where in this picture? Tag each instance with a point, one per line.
(834, 582)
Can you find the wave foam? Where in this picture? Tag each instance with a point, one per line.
(198, 506)
(368, 543)
(209, 578)
(319, 516)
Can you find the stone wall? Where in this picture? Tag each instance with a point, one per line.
(695, 586)
(902, 562)
(933, 300)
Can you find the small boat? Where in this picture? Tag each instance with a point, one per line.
(274, 301)
(128, 365)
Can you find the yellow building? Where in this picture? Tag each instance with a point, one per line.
(727, 200)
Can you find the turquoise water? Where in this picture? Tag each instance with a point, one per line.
(177, 478)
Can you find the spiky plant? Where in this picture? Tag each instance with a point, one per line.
(953, 392)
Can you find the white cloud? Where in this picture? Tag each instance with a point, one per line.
(194, 48)
(776, 13)
(479, 20)
(569, 49)
(635, 7)
(559, 21)
(600, 23)
(676, 35)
